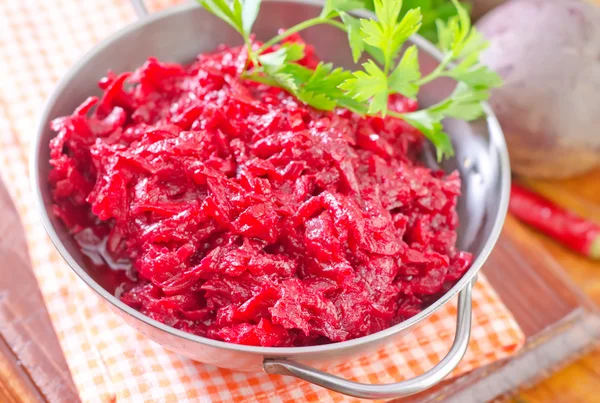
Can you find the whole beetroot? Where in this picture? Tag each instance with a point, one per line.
(548, 53)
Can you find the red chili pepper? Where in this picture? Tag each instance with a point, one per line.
(571, 230)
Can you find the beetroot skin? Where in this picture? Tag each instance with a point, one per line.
(243, 215)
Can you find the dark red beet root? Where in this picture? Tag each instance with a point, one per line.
(248, 217)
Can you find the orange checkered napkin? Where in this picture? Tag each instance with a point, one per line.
(39, 41)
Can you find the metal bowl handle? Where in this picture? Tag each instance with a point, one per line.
(392, 390)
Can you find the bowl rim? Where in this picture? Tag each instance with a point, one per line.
(496, 137)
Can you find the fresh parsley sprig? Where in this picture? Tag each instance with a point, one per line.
(386, 71)
(240, 15)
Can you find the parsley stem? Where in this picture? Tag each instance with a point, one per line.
(335, 23)
(395, 114)
(250, 59)
(436, 73)
(299, 27)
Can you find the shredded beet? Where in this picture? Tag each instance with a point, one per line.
(243, 215)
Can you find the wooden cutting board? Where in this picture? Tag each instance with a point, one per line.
(32, 367)
(580, 381)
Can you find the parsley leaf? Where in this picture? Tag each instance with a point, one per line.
(408, 26)
(321, 89)
(288, 52)
(294, 51)
(388, 34)
(476, 76)
(387, 12)
(239, 14)
(250, 9)
(474, 43)
(317, 88)
(432, 10)
(462, 42)
(327, 79)
(276, 72)
(354, 36)
(370, 84)
(457, 36)
(275, 66)
(403, 78)
(444, 34)
(464, 103)
(282, 78)
(230, 12)
(429, 124)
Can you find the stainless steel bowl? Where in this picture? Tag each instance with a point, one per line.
(179, 34)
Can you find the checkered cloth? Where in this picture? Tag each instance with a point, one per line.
(39, 41)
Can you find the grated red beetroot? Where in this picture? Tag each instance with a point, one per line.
(245, 216)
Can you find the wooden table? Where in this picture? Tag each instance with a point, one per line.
(21, 323)
(580, 381)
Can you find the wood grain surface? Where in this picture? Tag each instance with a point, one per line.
(31, 360)
(580, 381)
(32, 367)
